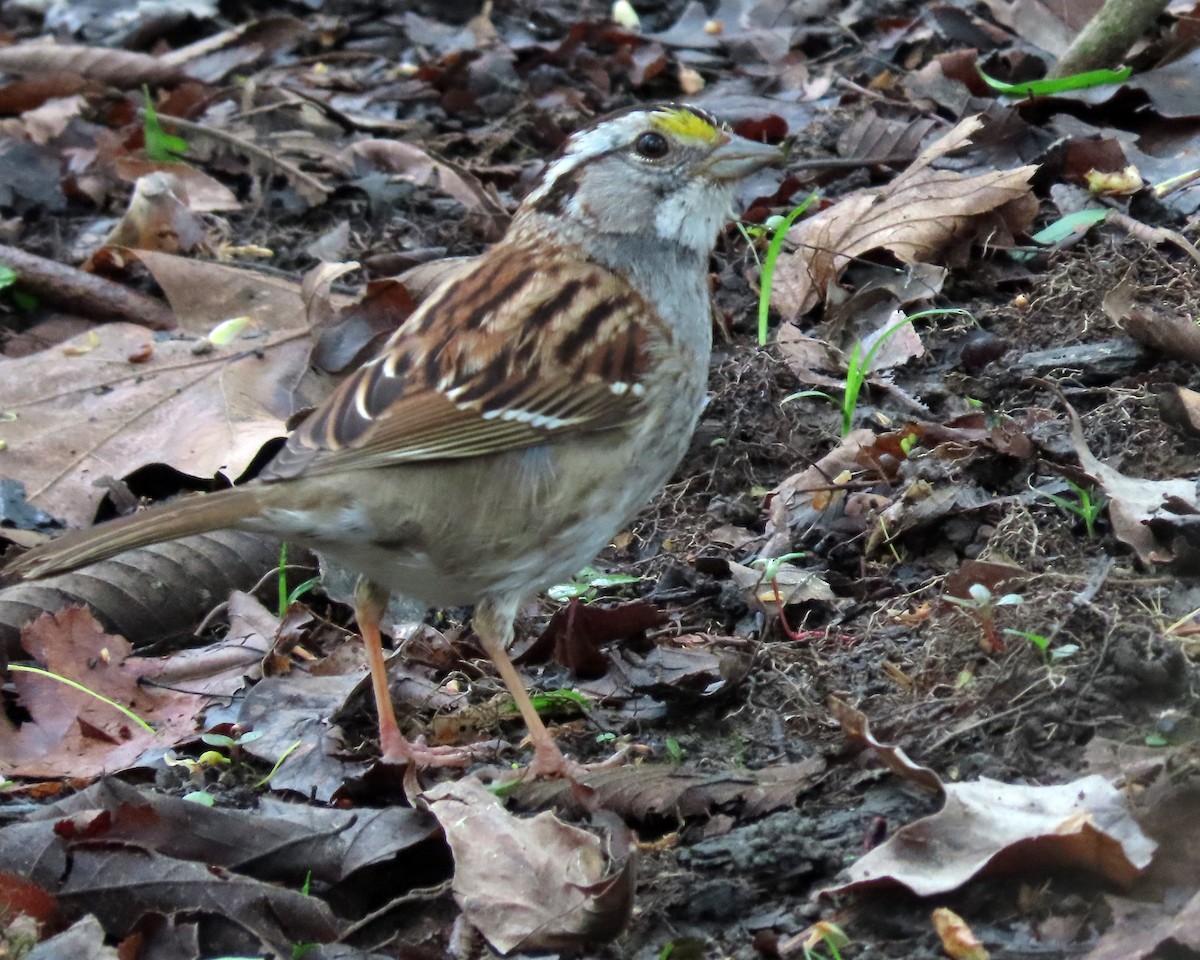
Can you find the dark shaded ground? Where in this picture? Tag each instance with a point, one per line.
(723, 887)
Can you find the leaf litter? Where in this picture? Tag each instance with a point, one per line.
(934, 491)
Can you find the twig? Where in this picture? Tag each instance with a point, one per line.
(1152, 235)
(1096, 580)
(85, 293)
(1108, 36)
(238, 143)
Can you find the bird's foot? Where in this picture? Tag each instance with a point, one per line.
(399, 750)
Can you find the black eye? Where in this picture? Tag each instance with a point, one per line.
(652, 146)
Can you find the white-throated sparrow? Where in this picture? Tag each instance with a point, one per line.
(516, 420)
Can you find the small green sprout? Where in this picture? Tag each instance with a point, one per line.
(1086, 506)
(555, 703)
(161, 147)
(200, 797)
(981, 605)
(587, 584)
(8, 280)
(196, 768)
(286, 599)
(674, 751)
(827, 935)
(1036, 640)
(278, 763)
(858, 366)
(1042, 645)
(683, 948)
(233, 743)
(1076, 81)
(779, 233)
(770, 569)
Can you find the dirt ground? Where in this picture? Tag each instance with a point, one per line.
(728, 884)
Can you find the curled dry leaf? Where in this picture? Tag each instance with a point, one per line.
(658, 789)
(857, 729)
(916, 217)
(790, 584)
(1133, 502)
(1144, 931)
(575, 634)
(414, 165)
(123, 69)
(989, 828)
(159, 217)
(537, 884)
(205, 194)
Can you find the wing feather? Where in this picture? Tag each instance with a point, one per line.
(529, 346)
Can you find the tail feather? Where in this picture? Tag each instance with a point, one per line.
(202, 513)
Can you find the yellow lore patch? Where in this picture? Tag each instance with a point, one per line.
(684, 123)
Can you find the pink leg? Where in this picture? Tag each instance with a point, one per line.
(370, 601)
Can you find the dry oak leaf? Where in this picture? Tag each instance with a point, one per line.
(82, 410)
(992, 828)
(916, 217)
(538, 884)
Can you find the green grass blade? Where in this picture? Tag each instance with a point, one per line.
(91, 693)
(768, 267)
(1077, 81)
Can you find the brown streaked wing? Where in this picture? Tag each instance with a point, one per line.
(560, 352)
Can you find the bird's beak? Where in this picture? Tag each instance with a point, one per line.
(738, 157)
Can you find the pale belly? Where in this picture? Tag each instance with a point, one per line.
(453, 533)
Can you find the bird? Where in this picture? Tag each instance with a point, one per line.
(514, 422)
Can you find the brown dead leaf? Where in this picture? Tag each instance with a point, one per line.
(537, 884)
(576, 632)
(83, 940)
(411, 163)
(989, 828)
(1132, 501)
(916, 217)
(1048, 25)
(360, 329)
(294, 715)
(232, 398)
(997, 576)
(85, 416)
(657, 789)
(808, 356)
(857, 729)
(1180, 407)
(50, 119)
(1143, 931)
(126, 594)
(123, 69)
(205, 194)
(72, 733)
(790, 585)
